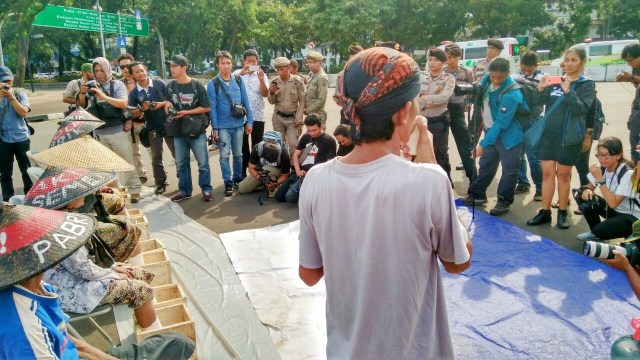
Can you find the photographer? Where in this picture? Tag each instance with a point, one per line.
(105, 98)
(14, 134)
(315, 147)
(502, 142)
(72, 90)
(268, 155)
(616, 204)
(150, 97)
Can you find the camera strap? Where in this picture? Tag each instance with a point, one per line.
(216, 85)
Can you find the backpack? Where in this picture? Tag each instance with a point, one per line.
(264, 162)
(523, 117)
(620, 174)
(216, 84)
(596, 113)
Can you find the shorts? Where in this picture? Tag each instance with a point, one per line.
(551, 148)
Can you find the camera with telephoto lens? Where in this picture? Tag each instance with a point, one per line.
(91, 84)
(6, 87)
(265, 180)
(605, 251)
(468, 89)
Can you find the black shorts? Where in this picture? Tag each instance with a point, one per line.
(551, 148)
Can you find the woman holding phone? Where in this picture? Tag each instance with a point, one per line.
(567, 100)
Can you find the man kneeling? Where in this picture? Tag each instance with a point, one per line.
(268, 158)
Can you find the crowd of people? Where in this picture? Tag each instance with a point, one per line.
(385, 100)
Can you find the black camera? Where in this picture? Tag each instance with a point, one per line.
(265, 180)
(6, 87)
(152, 106)
(91, 84)
(172, 112)
(585, 206)
(468, 89)
(605, 251)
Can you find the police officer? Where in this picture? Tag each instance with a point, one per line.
(286, 93)
(316, 95)
(436, 89)
(457, 106)
(494, 48)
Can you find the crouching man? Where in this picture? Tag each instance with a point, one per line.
(270, 156)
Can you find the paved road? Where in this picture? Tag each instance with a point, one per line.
(243, 212)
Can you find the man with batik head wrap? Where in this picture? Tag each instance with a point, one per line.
(401, 218)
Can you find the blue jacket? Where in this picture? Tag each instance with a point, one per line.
(221, 117)
(505, 124)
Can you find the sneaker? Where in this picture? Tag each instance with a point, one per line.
(521, 189)
(501, 208)
(460, 167)
(179, 197)
(207, 196)
(588, 236)
(160, 189)
(470, 200)
(537, 196)
(213, 148)
(542, 217)
(135, 198)
(144, 179)
(563, 219)
(228, 190)
(235, 184)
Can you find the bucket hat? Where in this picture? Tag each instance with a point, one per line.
(58, 187)
(33, 240)
(75, 125)
(83, 152)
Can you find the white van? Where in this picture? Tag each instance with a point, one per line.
(602, 52)
(474, 50)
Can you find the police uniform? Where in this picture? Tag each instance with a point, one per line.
(459, 129)
(481, 68)
(316, 94)
(289, 103)
(434, 107)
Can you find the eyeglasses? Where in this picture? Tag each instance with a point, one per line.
(603, 156)
(124, 66)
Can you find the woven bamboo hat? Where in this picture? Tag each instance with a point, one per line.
(84, 152)
(58, 187)
(33, 240)
(76, 124)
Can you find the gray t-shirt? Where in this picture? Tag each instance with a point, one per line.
(377, 229)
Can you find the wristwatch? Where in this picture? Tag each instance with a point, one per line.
(600, 183)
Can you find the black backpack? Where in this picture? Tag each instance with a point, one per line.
(596, 113)
(524, 117)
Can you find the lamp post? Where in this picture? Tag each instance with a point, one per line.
(99, 9)
(34, 36)
(1, 54)
(161, 68)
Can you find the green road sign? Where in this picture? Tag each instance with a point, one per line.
(87, 20)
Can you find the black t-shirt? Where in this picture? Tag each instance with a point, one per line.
(154, 119)
(183, 96)
(323, 148)
(285, 162)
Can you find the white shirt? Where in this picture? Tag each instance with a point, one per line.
(627, 206)
(377, 229)
(256, 100)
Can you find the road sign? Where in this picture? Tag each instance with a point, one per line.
(87, 20)
(122, 41)
(138, 19)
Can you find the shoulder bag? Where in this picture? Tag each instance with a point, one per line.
(534, 134)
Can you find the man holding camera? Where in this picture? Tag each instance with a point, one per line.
(229, 107)
(106, 98)
(315, 95)
(268, 158)
(502, 142)
(315, 147)
(73, 87)
(286, 93)
(188, 98)
(149, 98)
(436, 89)
(14, 134)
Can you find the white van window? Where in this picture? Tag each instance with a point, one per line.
(599, 50)
(475, 53)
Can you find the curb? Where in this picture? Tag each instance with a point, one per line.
(45, 117)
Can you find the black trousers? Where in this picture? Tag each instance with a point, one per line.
(439, 127)
(462, 137)
(256, 137)
(7, 153)
(615, 225)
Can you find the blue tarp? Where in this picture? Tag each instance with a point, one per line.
(525, 297)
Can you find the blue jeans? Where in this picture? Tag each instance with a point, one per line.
(534, 167)
(492, 157)
(231, 142)
(289, 191)
(183, 161)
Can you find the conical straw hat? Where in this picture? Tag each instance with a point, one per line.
(33, 240)
(58, 187)
(84, 152)
(77, 124)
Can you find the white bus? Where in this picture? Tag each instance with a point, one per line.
(474, 50)
(602, 52)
